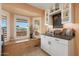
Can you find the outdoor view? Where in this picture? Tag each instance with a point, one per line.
(4, 27)
(4, 24)
(21, 27)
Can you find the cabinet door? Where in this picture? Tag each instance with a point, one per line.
(44, 43)
(49, 45)
(52, 47)
(59, 49)
(57, 6)
(62, 50)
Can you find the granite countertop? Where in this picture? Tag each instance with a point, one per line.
(60, 36)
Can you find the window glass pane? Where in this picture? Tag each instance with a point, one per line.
(21, 25)
(21, 28)
(4, 23)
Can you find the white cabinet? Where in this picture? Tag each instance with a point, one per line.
(59, 49)
(66, 13)
(44, 43)
(56, 46)
(55, 7)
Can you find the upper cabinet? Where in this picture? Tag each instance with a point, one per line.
(56, 7)
(65, 9)
(66, 13)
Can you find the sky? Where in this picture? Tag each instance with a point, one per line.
(22, 24)
(4, 23)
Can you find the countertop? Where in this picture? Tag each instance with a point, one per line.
(60, 36)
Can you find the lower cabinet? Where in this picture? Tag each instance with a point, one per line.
(59, 49)
(54, 46)
(44, 43)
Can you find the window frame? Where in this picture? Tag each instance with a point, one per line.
(28, 32)
(5, 13)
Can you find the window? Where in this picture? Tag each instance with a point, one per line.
(5, 19)
(22, 27)
(4, 26)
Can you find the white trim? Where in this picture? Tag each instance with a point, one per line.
(19, 41)
(70, 14)
(22, 37)
(47, 17)
(5, 13)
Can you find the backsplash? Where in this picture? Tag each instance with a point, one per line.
(68, 25)
(67, 30)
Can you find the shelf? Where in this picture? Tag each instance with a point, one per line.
(66, 5)
(55, 12)
(66, 17)
(66, 20)
(65, 9)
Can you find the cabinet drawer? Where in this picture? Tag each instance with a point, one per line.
(44, 37)
(61, 41)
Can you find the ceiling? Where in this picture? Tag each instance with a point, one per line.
(30, 9)
(43, 6)
(20, 9)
